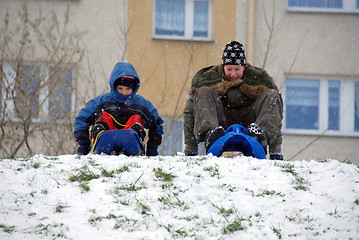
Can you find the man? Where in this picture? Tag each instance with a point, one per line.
(229, 93)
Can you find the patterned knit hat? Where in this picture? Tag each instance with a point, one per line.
(233, 54)
(126, 81)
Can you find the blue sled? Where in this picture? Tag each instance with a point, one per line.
(115, 142)
(237, 139)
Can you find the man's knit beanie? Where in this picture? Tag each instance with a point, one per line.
(126, 81)
(233, 54)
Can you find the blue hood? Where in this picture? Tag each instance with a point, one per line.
(123, 69)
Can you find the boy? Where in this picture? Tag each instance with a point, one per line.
(121, 108)
(229, 93)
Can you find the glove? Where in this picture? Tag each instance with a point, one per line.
(83, 150)
(84, 147)
(276, 156)
(190, 154)
(151, 149)
(154, 140)
(151, 152)
(82, 138)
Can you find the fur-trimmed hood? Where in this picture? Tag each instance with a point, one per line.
(252, 92)
(213, 75)
(255, 81)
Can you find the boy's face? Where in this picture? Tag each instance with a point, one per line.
(124, 90)
(234, 72)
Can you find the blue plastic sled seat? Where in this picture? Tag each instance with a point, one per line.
(236, 139)
(115, 142)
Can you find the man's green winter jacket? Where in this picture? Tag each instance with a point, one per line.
(238, 95)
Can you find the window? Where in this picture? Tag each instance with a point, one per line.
(201, 19)
(173, 142)
(27, 93)
(323, 5)
(302, 104)
(38, 93)
(1, 92)
(60, 91)
(321, 106)
(356, 107)
(316, 3)
(182, 19)
(334, 105)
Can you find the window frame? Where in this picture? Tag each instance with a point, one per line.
(346, 108)
(189, 23)
(349, 6)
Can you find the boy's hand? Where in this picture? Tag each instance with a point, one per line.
(84, 146)
(83, 149)
(152, 144)
(151, 152)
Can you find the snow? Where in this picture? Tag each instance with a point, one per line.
(177, 197)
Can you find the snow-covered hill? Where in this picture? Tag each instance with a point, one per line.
(177, 197)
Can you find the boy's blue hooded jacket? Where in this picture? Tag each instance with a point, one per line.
(88, 115)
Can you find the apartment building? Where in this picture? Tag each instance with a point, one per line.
(308, 47)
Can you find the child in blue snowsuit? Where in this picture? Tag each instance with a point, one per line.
(121, 108)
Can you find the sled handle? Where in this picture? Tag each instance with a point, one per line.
(237, 128)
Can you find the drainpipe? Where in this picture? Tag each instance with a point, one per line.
(250, 32)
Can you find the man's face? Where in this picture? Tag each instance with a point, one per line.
(234, 72)
(124, 90)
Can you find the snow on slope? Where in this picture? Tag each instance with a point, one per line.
(177, 197)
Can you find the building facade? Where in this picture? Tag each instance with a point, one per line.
(314, 59)
(308, 47)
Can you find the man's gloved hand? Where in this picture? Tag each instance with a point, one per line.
(190, 153)
(84, 146)
(276, 156)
